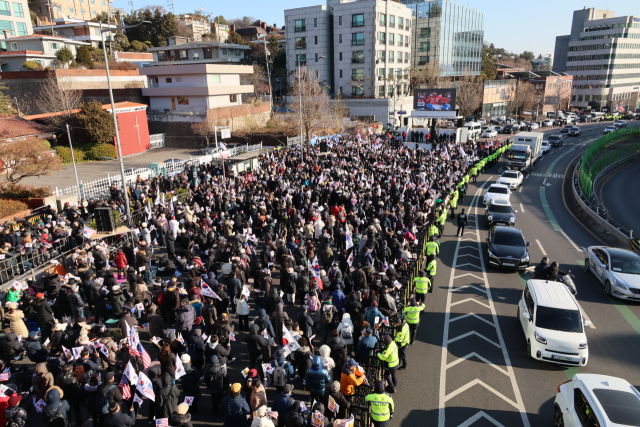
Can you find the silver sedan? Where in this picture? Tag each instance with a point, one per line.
(617, 269)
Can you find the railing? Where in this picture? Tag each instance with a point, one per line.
(357, 60)
(157, 140)
(301, 45)
(300, 29)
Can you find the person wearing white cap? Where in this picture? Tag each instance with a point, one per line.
(145, 234)
(181, 417)
(262, 420)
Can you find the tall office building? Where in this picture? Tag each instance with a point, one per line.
(447, 34)
(603, 55)
(14, 20)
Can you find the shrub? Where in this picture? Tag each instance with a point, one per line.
(97, 152)
(10, 207)
(65, 154)
(46, 144)
(32, 65)
(48, 68)
(24, 192)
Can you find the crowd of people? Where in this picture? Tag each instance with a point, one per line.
(297, 262)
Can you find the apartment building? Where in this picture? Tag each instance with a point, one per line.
(193, 26)
(85, 31)
(15, 19)
(602, 53)
(198, 52)
(84, 10)
(41, 49)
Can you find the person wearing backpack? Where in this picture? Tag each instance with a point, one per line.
(14, 414)
(215, 380)
(282, 370)
(329, 316)
(55, 412)
(107, 394)
(71, 388)
(346, 330)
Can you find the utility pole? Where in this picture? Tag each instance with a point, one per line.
(131, 4)
(49, 6)
(173, 10)
(266, 59)
(73, 159)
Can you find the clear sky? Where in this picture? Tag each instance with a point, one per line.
(515, 25)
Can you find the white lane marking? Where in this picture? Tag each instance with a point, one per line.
(541, 248)
(521, 207)
(571, 241)
(527, 177)
(444, 366)
(520, 189)
(474, 354)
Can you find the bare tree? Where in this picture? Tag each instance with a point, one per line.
(257, 79)
(469, 95)
(429, 77)
(316, 113)
(25, 158)
(522, 97)
(56, 96)
(207, 128)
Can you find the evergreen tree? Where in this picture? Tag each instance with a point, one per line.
(98, 123)
(83, 56)
(5, 101)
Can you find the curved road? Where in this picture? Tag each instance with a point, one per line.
(616, 193)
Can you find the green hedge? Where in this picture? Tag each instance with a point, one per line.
(65, 154)
(97, 152)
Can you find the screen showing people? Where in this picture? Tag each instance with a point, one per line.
(434, 99)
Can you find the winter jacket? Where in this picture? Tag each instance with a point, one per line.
(16, 323)
(235, 410)
(10, 345)
(126, 323)
(209, 314)
(181, 420)
(120, 259)
(242, 307)
(281, 405)
(318, 378)
(279, 316)
(371, 313)
(42, 381)
(168, 366)
(191, 381)
(346, 328)
(35, 352)
(16, 414)
(339, 398)
(326, 360)
(167, 399)
(43, 312)
(256, 343)
(294, 417)
(365, 344)
(75, 300)
(55, 404)
(349, 381)
(186, 317)
(120, 419)
(156, 324)
(112, 347)
(338, 299)
(258, 398)
(264, 322)
(117, 301)
(336, 344)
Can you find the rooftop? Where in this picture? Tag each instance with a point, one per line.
(552, 295)
(199, 45)
(119, 106)
(15, 127)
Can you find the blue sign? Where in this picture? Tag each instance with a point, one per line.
(402, 112)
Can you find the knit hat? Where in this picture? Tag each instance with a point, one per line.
(288, 388)
(374, 304)
(185, 358)
(116, 288)
(39, 295)
(12, 305)
(183, 408)
(335, 387)
(352, 362)
(235, 388)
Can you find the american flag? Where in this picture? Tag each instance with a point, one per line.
(124, 385)
(134, 352)
(146, 359)
(162, 422)
(4, 377)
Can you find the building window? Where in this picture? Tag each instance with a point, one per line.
(22, 29)
(383, 20)
(168, 80)
(94, 13)
(392, 21)
(83, 11)
(423, 60)
(383, 38)
(339, 20)
(357, 57)
(195, 56)
(381, 91)
(215, 78)
(71, 10)
(300, 25)
(92, 1)
(14, 46)
(399, 39)
(315, 22)
(233, 98)
(183, 100)
(340, 56)
(357, 20)
(340, 73)
(391, 39)
(357, 39)
(381, 71)
(425, 33)
(301, 59)
(383, 56)
(55, 46)
(315, 39)
(225, 51)
(160, 56)
(406, 57)
(58, 8)
(407, 23)
(356, 91)
(316, 58)
(391, 56)
(4, 8)
(103, 3)
(400, 23)
(357, 74)
(339, 38)
(17, 10)
(424, 47)
(301, 42)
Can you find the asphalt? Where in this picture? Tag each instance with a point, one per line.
(615, 191)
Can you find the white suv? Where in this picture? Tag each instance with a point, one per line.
(553, 324)
(596, 400)
(496, 192)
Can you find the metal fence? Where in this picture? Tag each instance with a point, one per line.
(593, 161)
(157, 140)
(100, 187)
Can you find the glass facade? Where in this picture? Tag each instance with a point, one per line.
(447, 34)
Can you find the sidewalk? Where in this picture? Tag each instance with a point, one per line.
(91, 171)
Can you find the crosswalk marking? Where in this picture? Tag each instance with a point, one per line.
(548, 175)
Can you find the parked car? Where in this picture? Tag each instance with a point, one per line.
(599, 400)
(556, 140)
(586, 118)
(617, 269)
(500, 212)
(574, 131)
(545, 146)
(548, 123)
(534, 126)
(506, 248)
(609, 129)
(489, 133)
(498, 129)
(508, 129)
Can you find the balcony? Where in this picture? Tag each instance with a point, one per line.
(357, 60)
(300, 29)
(422, 62)
(390, 60)
(301, 45)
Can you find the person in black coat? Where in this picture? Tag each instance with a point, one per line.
(171, 245)
(191, 382)
(167, 399)
(257, 345)
(306, 322)
(294, 416)
(336, 344)
(115, 418)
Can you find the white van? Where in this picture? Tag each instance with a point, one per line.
(553, 324)
(474, 128)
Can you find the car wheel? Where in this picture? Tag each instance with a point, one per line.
(558, 419)
(529, 348)
(607, 287)
(587, 266)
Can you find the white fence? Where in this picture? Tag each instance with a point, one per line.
(100, 187)
(157, 140)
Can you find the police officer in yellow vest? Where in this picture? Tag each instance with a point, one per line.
(381, 405)
(474, 172)
(441, 220)
(431, 271)
(390, 358)
(422, 285)
(412, 314)
(433, 230)
(402, 341)
(454, 203)
(433, 249)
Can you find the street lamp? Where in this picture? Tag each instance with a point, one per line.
(266, 60)
(300, 104)
(113, 112)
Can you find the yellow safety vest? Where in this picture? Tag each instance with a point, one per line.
(432, 248)
(381, 406)
(390, 355)
(474, 171)
(433, 230)
(412, 314)
(403, 336)
(442, 218)
(466, 178)
(422, 284)
(432, 267)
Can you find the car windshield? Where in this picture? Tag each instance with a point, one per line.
(575, 128)
(498, 190)
(554, 138)
(621, 407)
(500, 209)
(558, 319)
(518, 155)
(508, 239)
(568, 127)
(545, 142)
(510, 175)
(625, 262)
(611, 128)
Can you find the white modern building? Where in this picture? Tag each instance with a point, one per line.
(85, 31)
(15, 19)
(198, 53)
(194, 25)
(603, 55)
(41, 49)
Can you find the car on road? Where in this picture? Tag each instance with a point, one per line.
(548, 122)
(596, 400)
(610, 129)
(553, 324)
(489, 133)
(512, 179)
(617, 269)
(556, 140)
(508, 129)
(500, 212)
(545, 146)
(496, 191)
(586, 118)
(620, 124)
(506, 248)
(498, 128)
(566, 129)
(533, 125)
(574, 131)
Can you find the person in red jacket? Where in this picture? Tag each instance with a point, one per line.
(121, 263)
